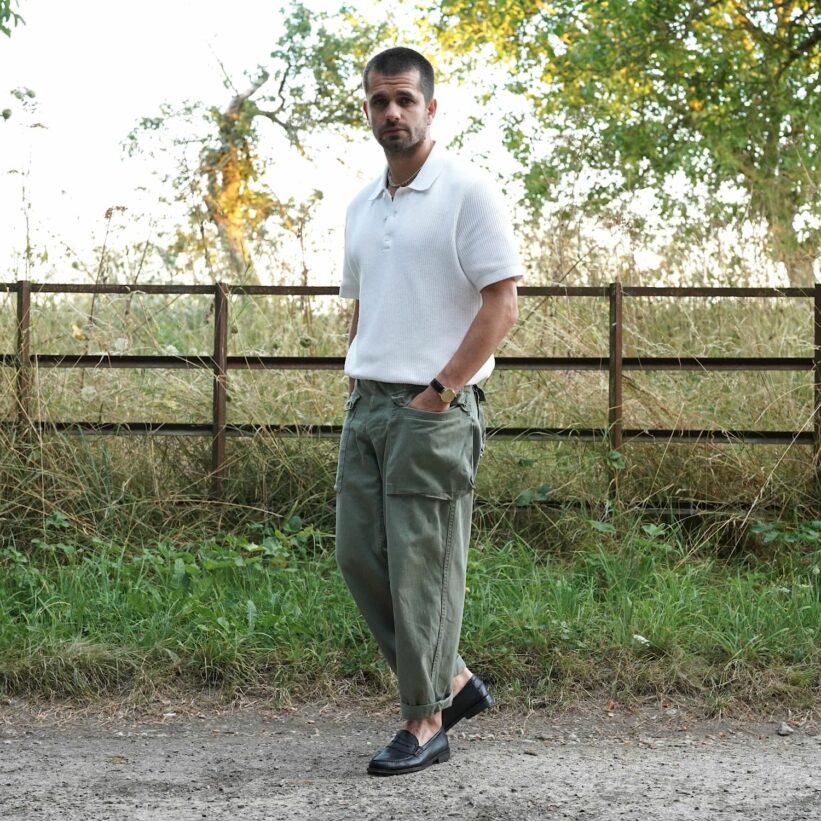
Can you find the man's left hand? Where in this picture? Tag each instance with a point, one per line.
(429, 401)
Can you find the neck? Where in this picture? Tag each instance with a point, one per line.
(402, 166)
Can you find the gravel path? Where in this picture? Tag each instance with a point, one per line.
(197, 762)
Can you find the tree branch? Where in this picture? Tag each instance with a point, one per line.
(281, 89)
(290, 131)
(799, 51)
(805, 46)
(239, 99)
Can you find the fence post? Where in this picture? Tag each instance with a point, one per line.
(220, 388)
(817, 380)
(23, 381)
(614, 429)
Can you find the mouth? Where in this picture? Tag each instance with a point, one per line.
(389, 131)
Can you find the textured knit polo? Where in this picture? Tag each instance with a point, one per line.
(417, 264)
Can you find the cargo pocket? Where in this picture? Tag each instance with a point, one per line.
(350, 407)
(429, 453)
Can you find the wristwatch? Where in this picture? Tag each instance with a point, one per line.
(447, 395)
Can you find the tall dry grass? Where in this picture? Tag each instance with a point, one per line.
(144, 483)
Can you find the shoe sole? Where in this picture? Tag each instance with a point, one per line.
(474, 709)
(440, 759)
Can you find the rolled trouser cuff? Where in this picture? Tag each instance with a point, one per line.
(412, 712)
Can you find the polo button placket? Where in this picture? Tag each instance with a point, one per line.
(387, 236)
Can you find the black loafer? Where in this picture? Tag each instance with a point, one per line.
(404, 755)
(470, 700)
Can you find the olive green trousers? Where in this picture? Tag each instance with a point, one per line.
(404, 489)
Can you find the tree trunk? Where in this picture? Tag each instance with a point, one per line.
(224, 203)
(797, 256)
(775, 200)
(229, 170)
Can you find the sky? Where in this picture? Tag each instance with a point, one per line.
(96, 67)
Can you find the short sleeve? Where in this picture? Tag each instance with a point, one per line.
(350, 278)
(485, 241)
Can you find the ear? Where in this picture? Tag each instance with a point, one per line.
(365, 109)
(431, 110)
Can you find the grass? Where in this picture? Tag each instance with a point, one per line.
(632, 610)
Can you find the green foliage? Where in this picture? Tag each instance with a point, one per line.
(9, 18)
(25, 99)
(603, 527)
(805, 534)
(615, 460)
(641, 90)
(530, 495)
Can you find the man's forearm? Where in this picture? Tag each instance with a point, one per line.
(491, 324)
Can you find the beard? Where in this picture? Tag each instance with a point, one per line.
(403, 142)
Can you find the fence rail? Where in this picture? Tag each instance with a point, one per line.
(23, 361)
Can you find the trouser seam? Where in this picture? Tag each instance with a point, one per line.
(443, 606)
(383, 525)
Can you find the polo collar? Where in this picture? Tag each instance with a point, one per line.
(427, 175)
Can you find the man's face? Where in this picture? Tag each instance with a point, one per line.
(397, 111)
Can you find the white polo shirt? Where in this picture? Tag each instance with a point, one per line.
(417, 264)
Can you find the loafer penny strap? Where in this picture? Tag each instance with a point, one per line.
(405, 742)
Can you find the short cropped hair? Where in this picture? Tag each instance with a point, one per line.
(398, 60)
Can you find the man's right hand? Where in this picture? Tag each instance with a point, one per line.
(429, 401)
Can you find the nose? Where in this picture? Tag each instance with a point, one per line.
(392, 112)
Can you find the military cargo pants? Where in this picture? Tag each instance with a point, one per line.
(404, 489)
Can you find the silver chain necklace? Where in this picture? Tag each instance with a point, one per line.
(410, 179)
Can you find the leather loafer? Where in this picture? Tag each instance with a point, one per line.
(405, 755)
(470, 700)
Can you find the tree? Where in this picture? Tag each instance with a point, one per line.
(8, 17)
(311, 86)
(719, 90)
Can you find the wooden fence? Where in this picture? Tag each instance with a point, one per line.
(220, 363)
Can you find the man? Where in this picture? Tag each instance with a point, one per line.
(431, 260)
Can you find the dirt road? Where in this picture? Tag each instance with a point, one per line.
(191, 762)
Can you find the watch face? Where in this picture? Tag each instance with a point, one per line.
(448, 395)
